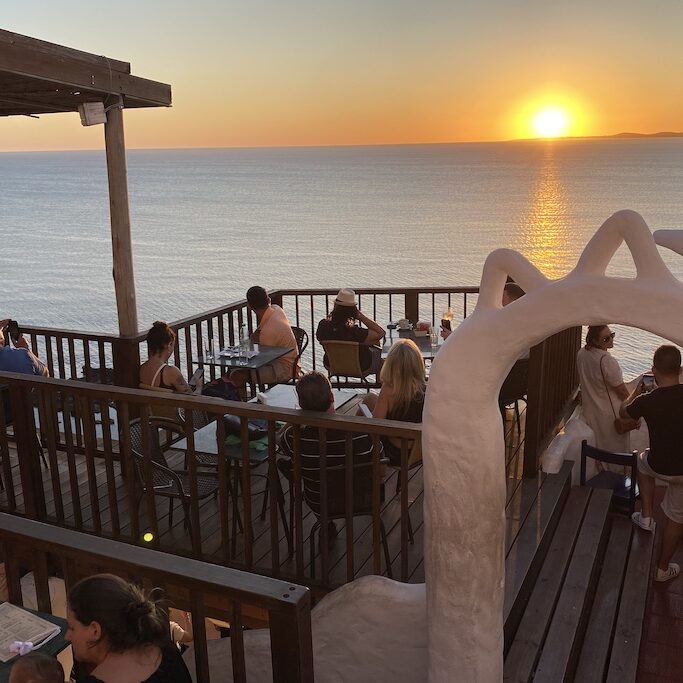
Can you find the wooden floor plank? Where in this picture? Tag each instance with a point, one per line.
(560, 652)
(598, 639)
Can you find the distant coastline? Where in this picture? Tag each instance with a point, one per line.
(662, 134)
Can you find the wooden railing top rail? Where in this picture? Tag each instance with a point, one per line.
(391, 428)
(241, 303)
(254, 589)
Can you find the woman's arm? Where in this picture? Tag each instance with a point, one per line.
(375, 330)
(621, 391)
(179, 383)
(384, 401)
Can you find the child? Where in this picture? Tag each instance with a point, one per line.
(36, 667)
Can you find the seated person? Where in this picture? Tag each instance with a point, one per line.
(18, 358)
(273, 330)
(402, 394)
(36, 667)
(315, 393)
(156, 372)
(340, 325)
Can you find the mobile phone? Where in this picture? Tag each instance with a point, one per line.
(13, 330)
(648, 382)
(198, 374)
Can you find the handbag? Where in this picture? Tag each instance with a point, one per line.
(622, 425)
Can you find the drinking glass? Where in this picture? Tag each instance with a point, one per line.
(209, 350)
(434, 337)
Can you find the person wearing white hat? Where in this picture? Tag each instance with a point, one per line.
(345, 324)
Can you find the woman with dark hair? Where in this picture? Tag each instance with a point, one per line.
(120, 635)
(155, 372)
(340, 325)
(602, 389)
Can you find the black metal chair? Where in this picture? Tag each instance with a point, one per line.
(514, 390)
(624, 486)
(301, 337)
(166, 482)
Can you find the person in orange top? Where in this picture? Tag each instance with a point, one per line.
(273, 330)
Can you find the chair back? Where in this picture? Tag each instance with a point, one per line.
(516, 383)
(160, 479)
(623, 486)
(6, 403)
(160, 409)
(335, 472)
(196, 418)
(301, 337)
(343, 358)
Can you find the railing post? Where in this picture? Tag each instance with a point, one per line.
(27, 451)
(412, 306)
(532, 428)
(292, 645)
(126, 360)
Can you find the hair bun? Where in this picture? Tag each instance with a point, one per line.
(139, 609)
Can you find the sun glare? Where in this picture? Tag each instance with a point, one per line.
(551, 122)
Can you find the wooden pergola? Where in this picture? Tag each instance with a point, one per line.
(37, 77)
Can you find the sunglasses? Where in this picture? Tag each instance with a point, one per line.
(608, 337)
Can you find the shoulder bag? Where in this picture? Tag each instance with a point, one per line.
(622, 425)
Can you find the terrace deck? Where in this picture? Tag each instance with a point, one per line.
(175, 539)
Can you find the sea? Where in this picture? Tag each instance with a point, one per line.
(208, 223)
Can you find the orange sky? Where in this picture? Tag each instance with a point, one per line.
(382, 71)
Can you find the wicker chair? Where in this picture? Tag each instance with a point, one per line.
(343, 360)
(301, 337)
(166, 482)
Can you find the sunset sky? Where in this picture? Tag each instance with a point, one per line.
(338, 72)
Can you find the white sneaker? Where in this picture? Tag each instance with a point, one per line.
(671, 573)
(646, 523)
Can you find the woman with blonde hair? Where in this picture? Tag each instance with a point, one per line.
(403, 391)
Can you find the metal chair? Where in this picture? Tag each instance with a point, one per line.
(624, 487)
(7, 409)
(514, 390)
(343, 360)
(166, 482)
(301, 337)
(414, 460)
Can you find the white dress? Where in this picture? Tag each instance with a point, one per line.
(597, 411)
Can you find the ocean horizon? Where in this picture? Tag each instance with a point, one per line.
(208, 223)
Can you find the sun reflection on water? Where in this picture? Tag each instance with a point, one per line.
(544, 228)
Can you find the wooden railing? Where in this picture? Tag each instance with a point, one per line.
(204, 590)
(553, 383)
(101, 492)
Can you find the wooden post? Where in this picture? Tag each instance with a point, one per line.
(122, 253)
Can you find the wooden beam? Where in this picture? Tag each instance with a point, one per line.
(68, 68)
(122, 251)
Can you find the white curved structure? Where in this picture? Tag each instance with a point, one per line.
(464, 479)
(462, 439)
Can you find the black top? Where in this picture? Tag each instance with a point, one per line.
(412, 412)
(172, 669)
(328, 331)
(663, 412)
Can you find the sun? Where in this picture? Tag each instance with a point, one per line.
(551, 122)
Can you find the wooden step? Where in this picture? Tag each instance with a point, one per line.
(565, 636)
(531, 542)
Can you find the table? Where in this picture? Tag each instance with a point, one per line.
(53, 646)
(423, 343)
(265, 355)
(280, 396)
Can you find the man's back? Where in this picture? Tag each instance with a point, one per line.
(663, 412)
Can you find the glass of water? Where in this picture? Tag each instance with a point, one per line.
(434, 337)
(209, 350)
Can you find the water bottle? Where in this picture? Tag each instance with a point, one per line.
(244, 345)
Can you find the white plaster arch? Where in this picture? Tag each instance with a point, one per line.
(463, 441)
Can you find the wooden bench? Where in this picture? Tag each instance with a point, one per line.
(582, 618)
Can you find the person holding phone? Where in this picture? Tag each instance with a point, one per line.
(156, 373)
(17, 356)
(340, 325)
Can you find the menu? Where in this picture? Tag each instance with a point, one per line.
(18, 624)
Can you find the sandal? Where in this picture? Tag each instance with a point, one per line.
(639, 520)
(671, 573)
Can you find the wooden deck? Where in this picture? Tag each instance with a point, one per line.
(76, 472)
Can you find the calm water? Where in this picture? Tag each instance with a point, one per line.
(208, 223)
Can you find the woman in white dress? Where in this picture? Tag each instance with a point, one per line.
(602, 389)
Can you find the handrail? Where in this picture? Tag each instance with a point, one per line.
(288, 605)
